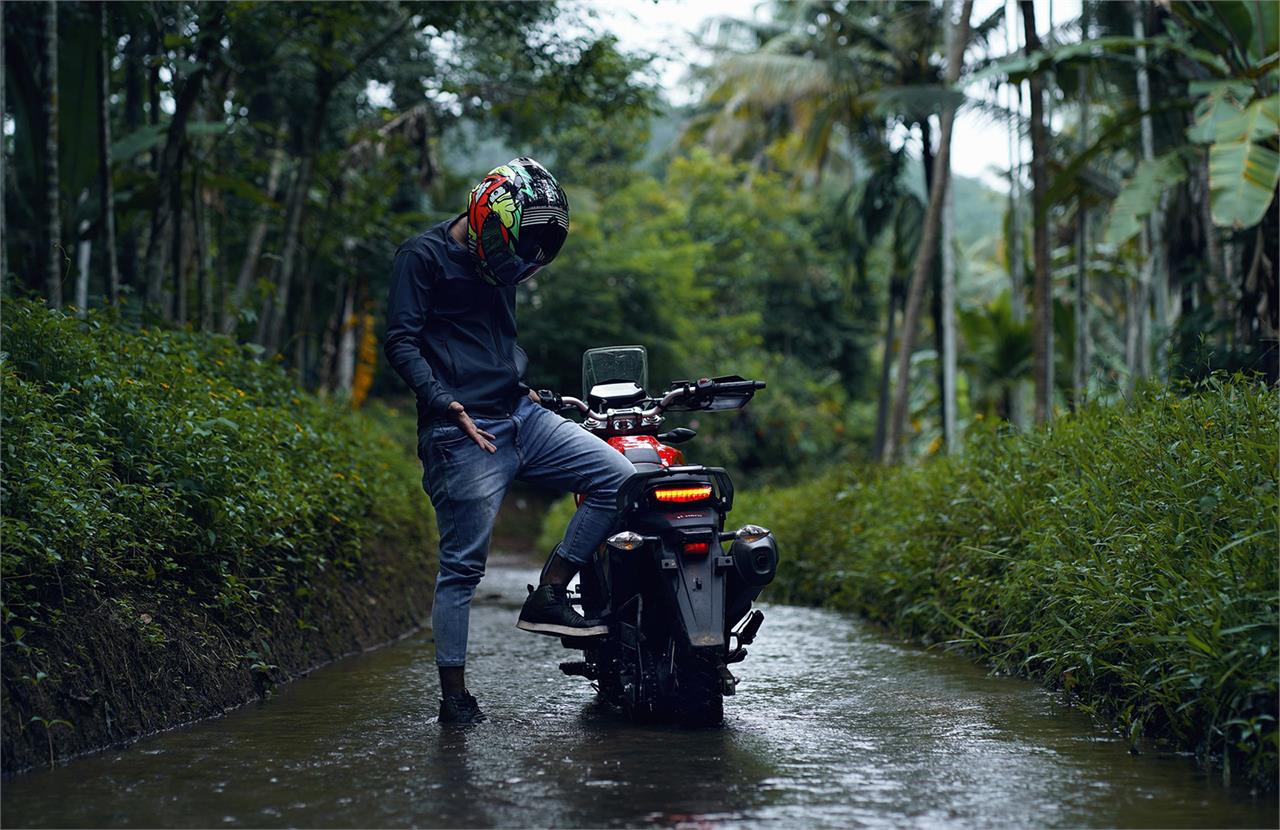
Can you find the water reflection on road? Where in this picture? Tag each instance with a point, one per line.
(833, 725)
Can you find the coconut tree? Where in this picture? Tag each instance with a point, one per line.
(932, 227)
(846, 77)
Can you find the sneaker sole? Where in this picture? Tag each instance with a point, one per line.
(563, 630)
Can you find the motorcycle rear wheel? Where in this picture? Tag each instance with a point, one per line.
(699, 701)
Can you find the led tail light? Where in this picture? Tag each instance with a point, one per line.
(697, 548)
(683, 495)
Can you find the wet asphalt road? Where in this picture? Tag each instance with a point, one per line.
(834, 725)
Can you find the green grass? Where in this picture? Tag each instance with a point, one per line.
(177, 465)
(1127, 555)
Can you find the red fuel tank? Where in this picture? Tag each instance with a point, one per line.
(668, 455)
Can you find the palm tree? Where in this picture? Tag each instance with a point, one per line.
(845, 76)
(1042, 295)
(932, 226)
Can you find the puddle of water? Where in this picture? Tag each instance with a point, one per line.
(832, 726)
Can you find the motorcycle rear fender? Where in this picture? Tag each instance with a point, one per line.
(697, 583)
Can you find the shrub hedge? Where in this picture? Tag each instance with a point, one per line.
(1127, 555)
(179, 467)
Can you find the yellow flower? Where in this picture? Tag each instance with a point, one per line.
(164, 386)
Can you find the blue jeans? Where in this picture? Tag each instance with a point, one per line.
(466, 485)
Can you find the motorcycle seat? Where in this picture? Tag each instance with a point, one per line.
(645, 459)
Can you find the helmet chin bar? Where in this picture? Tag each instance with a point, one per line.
(510, 270)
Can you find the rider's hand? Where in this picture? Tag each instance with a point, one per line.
(534, 396)
(458, 414)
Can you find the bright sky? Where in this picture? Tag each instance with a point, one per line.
(667, 28)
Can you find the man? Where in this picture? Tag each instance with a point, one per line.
(451, 334)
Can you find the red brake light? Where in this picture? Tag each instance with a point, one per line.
(697, 548)
(696, 492)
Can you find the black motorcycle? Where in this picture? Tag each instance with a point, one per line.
(674, 587)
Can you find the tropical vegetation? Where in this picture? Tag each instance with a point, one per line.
(1125, 557)
(202, 201)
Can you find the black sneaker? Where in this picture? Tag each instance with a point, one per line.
(461, 708)
(547, 611)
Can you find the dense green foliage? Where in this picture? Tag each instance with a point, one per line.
(716, 271)
(178, 464)
(1127, 556)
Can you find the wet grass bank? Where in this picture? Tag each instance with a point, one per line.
(182, 529)
(1127, 556)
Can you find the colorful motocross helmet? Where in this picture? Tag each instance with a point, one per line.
(517, 219)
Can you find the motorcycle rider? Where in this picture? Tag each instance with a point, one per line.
(451, 335)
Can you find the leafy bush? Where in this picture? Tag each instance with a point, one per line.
(1126, 555)
(178, 463)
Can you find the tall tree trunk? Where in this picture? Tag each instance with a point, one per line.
(886, 362)
(1219, 283)
(164, 225)
(1154, 287)
(276, 309)
(333, 330)
(204, 267)
(929, 240)
(178, 249)
(948, 355)
(1141, 325)
(253, 251)
(302, 324)
(134, 56)
(1017, 410)
(1042, 294)
(1080, 364)
(4, 177)
(53, 214)
(935, 272)
(84, 260)
(106, 192)
(347, 343)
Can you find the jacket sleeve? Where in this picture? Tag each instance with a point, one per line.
(407, 307)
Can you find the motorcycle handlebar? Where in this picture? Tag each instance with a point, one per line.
(708, 387)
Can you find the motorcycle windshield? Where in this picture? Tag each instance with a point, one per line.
(614, 364)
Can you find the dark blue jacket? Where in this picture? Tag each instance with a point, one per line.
(450, 335)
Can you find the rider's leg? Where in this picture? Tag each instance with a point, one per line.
(466, 485)
(556, 452)
(557, 571)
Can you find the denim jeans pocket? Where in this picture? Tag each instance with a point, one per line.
(445, 435)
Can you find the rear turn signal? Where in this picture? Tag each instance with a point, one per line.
(697, 548)
(696, 492)
(626, 540)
